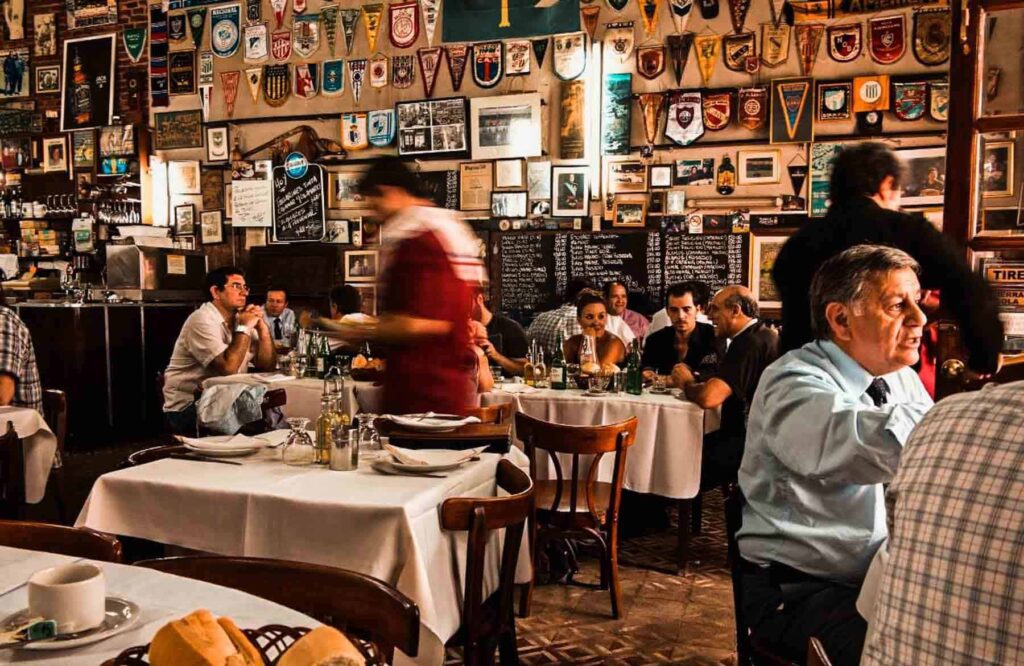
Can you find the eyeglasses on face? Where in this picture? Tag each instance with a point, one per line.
(238, 286)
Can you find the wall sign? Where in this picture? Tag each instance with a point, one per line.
(87, 98)
(299, 210)
(178, 129)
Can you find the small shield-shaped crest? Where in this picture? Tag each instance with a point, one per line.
(176, 26)
(570, 55)
(844, 41)
(403, 71)
(379, 71)
(307, 80)
(888, 42)
(488, 63)
(736, 49)
(717, 110)
(281, 45)
(650, 61)
(931, 36)
(306, 31)
(381, 127)
(910, 99)
(353, 131)
(333, 78)
(276, 84)
(938, 101)
(618, 5)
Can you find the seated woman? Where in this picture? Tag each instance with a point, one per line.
(592, 314)
(479, 369)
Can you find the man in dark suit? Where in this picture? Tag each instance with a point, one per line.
(865, 192)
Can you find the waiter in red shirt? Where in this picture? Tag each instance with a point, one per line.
(429, 263)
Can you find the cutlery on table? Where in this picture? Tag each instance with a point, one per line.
(185, 456)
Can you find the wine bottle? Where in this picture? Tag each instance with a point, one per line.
(726, 178)
(557, 373)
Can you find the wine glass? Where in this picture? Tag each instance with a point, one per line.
(298, 448)
(369, 438)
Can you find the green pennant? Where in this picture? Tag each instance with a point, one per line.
(196, 23)
(134, 42)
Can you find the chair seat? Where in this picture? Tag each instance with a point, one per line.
(545, 497)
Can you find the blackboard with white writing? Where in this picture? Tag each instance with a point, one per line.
(299, 205)
(716, 260)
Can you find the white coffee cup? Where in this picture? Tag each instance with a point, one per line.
(74, 595)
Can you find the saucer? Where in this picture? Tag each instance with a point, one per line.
(120, 616)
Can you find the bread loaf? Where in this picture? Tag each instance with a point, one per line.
(359, 362)
(324, 646)
(199, 640)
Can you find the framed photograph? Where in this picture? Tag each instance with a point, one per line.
(183, 177)
(55, 155)
(117, 141)
(361, 265)
(540, 208)
(475, 183)
(372, 231)
(88, 73)
(508, 174)
(185, 220)
(629, 211)
(48, 79)
(571, 191)
(433, 127)
(627, 176)
(343, 190)
(925, 183)
(45, 34)
(177, 129)
(218, 148)
(16, 71)
(675, 202)
(538, 180)
(83, 149)
(211, 226)
(368, 298)
(997, 168)
(505, 126)
(338, 232)
(759, 167)
(16, 153)
(763, 253)
(694, 172)
(661, 175)
(508, 204)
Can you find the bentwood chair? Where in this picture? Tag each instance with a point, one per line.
(152, 454)
(500, 413)
(377, 615)
(579, 506)
(816, 653)
(12, 474)
(73, 541)
(490, 623)
(55, 412)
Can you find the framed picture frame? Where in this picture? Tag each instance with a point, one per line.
(218, 144)
(759, 167)
(675, 202)
(508, 204)
(508, 174)
(343, 190)
(997, 169)
(338, 232)
(660, 176)
(925, 180)
(368, 298)
(540, 208)
(694, 172)
(55, 155)
(629, 211)
(117, 141)
(433, 127)
(184, 177)
(538, 180)
(17, 58)
(763, 252)
(475, 184)
(83, 149)
(362, 265)
(177, 129)
(570, 188)
(626, 177)
(48, 79)
(185, 220)
(211, 226)
(88, 70)
(506, 126)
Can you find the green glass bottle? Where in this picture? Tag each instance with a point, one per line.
(557, 372)
(634, 375)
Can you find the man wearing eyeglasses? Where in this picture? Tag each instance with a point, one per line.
(220, 338)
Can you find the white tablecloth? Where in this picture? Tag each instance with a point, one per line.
(304, 394)
(664, 460)
(39, 445)
(161, 597)
(385, 526)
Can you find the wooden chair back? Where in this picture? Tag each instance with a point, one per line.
(500, 413)
(479, 516)
(73, 541)
(816, 653)
(55, 412)
(151, 454)
(554, 439)
(12, 474)
(362, 606)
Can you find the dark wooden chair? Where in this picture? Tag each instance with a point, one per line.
(55, 412)
(500, 413)
(73, 541)
(489, 624)
(152, 454)
(579, 506)
(12, 474)
(365, 608)
(816, 653)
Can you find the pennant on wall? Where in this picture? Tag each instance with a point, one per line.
(182, 67)
(298, 6)
(717, 110)
(681, 12)
(649, 15)
(789, 105)
(257, 47)
(619, 39)
(430, 63)
(229, 85)
(887, 40)
(253, 11)
(458, 56)
(382, 127)
(333, 78)
(281, 45)
(371, 20)
(429, 8)
(540, 49)
(834, 100)
(306, 35)
(708, 9)
(205, 93)
(307, 80)
(254, 77)
(650, 61)
(910, 99)
(206, 68)
(571, 132)
(679, 53)
(404, 23)
(932, 36)
(617, 5)
(753, 107)
(353, 131)
(177, 27)
(356, 75)
(738, 13)
(685, 123)
(225, 30)
(378, 71)
(349, 20)
(871, 93)
(570, 56)
(403, 71)
(774, 44)
(488, 64)
(938, 101)
(329, 17)
(808, 41)
(278, 6)
(134, 40)
(707, 48)
(277, 84)
(651, 106)
(517, 57)
(590, 14)
(844, 41)
(158, 56)
(196, 24)
(736, 49)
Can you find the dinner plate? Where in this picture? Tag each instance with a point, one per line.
(222, 452)
(425, 469)
(664, 391)
(424, 423)
(121, 614)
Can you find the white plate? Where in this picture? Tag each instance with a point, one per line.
(224, 453)
(664, 391)
(424, 423)
(388, 466)
(121, 615)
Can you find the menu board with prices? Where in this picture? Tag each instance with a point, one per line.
(299, 213)
(716, 260)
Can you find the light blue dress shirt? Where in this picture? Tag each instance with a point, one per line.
(287, 318)
(817, 453)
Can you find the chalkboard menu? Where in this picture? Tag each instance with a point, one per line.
(527, 272)
(634, 258)
(716, 260)
(299, 205)
(441, 187)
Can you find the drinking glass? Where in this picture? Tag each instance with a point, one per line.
(298, 448)
(659, 384)
(345, 450)
(368, 436)
(299, 365)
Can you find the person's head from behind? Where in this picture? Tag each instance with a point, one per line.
(481, 302)
(227, 288)
(731, 309)
(591, 313)
(870, 170)
(616, 297)
(865, 300)
(389, 186)
(683, 301)
(345, 300)
(574, 287)
(277, 301)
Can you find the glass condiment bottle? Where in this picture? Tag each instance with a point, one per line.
(540, 370)
(528, 366)
(325, 425)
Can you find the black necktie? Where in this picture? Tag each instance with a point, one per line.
(277, 328)
(878, 391)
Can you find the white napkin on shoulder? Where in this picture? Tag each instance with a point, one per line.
(430, 420)
(422, 457)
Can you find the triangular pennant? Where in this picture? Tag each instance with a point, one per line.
(134, 42)
(738, 13)
(775, 7)
(430, 63)
(196, 24)
(707, 48)
(229, 86)
(356, 75)
(329, 18)
(794, 101)
(797, 175)
(430, 13)
(590, 14)
(371, 19)
(254, 77)
(649, 15)
(205, 92)
(540, 49)
(458, 56)
(808, 41)
(679, 53)
(279, 6)
(349, 20)
(681, 11)
(306, 35)
(651, 106)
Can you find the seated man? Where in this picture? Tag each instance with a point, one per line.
(279, 317)
(614, 323)
(661, 320)
(19, 376)
(686, 341)
(547, 326)
(505, 343)
(951, 591)
(220, 338)
(827, 425)
(617, 299)
(752, 348)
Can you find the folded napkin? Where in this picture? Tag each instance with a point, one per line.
(271, 377)
(421, 457)
(222, 442)
(430, 420)
(516, 388)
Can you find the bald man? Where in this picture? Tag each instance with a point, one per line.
(752, 348)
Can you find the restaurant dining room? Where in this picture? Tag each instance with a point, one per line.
(438, 332)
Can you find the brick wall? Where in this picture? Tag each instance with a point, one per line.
(130, 14)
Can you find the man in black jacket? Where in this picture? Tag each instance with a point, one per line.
(865, 192)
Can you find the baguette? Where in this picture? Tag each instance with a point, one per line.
(199, 640)
(324, 646)
(247, 653)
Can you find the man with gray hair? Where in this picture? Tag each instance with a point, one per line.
(827, 426)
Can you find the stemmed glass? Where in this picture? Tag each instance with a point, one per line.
(369, 438)
(298, 448)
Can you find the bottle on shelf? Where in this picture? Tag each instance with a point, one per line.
(558, 374)
(726, 177)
